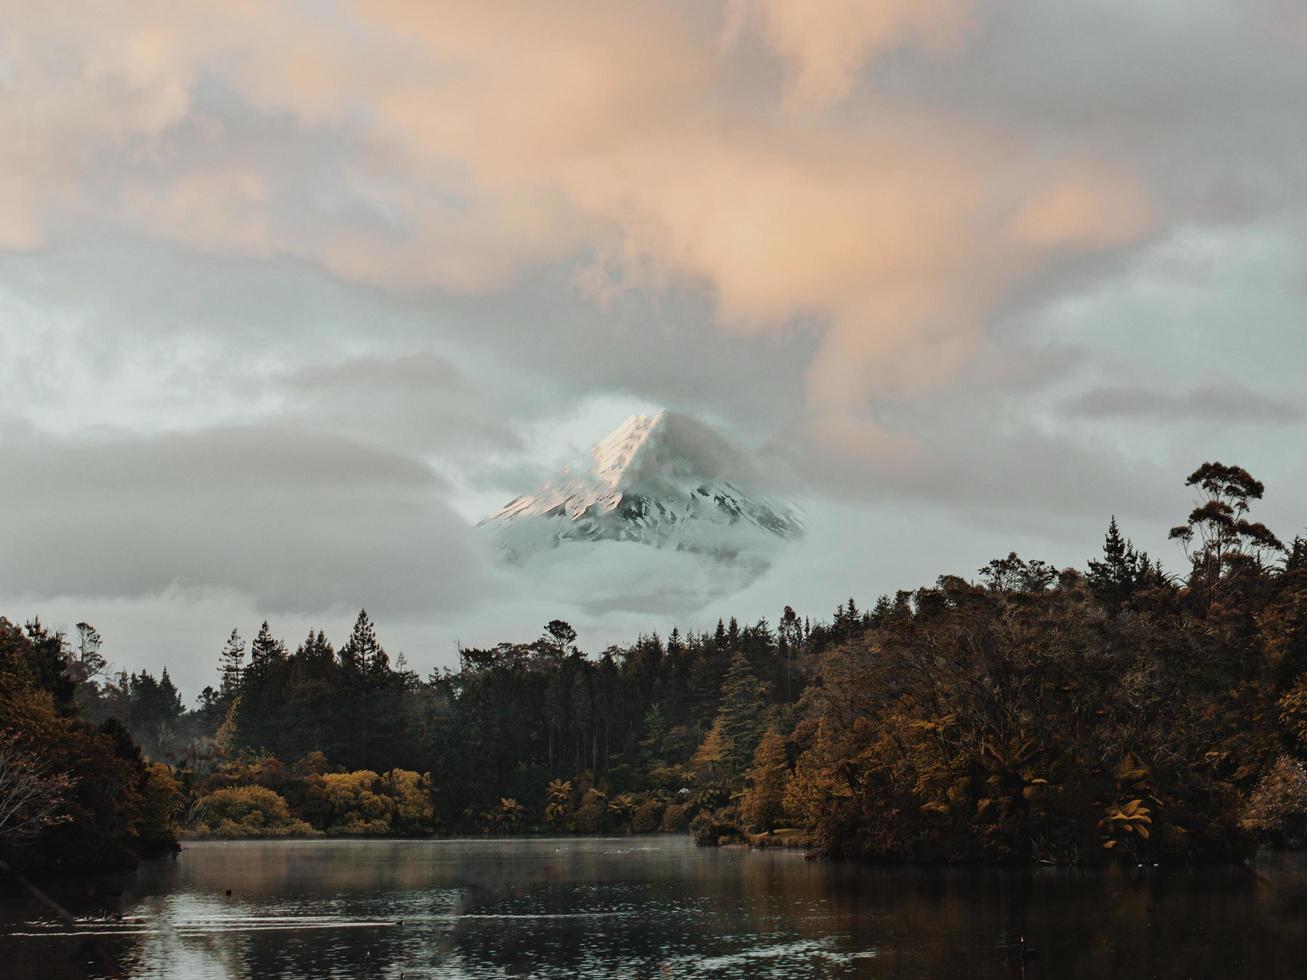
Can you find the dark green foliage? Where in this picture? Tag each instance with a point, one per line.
(44, 660)
(231, 665)
(260, 713)
(743, 703)
(506, 723)
(1122, 572)
(154, 712)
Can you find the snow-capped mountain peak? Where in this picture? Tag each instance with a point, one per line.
(664, 480)
(615, 452)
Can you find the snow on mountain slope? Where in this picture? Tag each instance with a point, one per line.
(664, 480)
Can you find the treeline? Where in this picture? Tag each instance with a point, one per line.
(1066, 717)
(1034, 714)
(75, 795)
(515, 731)
(520, 735)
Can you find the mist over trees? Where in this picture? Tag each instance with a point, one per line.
(1032, 714)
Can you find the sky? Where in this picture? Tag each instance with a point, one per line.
(293, 292)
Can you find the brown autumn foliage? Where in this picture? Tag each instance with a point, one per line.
(103, 809)
(1035, 721)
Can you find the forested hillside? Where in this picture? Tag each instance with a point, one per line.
(1033, 714)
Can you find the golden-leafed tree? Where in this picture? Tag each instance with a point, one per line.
(709, 759)
(763, 803)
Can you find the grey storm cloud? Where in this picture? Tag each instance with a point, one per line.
(1213, 402)
(298, 519)
(417, 400)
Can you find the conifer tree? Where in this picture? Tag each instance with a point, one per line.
(311, 700)
(1296, 559)
(265, 649)
(733, 635)
(361, 655)
(741, 715)
(706, 674)
(651, 744)
(261, 719)
(371, 715)
(674, 644)
(1122, 570)
(231, 665)
(170, 699)
(789, 640)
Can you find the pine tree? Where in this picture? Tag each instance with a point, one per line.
(231, 665)
(1296, 560)
(315, 654)
(361, 655)
(651, 745)
(743, 701)
(155, 710)
(261, 720)
(265, 649)
(170, 699)
(706, 674)
(1121, 572)
(372, 714)
(313, 700)
(789, 640)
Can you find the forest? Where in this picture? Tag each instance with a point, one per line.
(1027, 715)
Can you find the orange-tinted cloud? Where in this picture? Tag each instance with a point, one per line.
(825, 43)
(461, 144)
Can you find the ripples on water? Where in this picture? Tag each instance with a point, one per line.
(650, 908)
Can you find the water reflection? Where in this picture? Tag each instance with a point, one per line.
(650, 907)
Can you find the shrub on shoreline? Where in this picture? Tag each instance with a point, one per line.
(246, 811)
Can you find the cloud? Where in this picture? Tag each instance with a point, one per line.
(824, 43)
(622, 577)
(463, 145)
(1016, 473)
(300, 520)
(419, 400)
(1229, 403)
(941, 258)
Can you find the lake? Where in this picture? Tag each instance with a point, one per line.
(653, 907)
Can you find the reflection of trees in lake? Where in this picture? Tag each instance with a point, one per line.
(631, 906)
